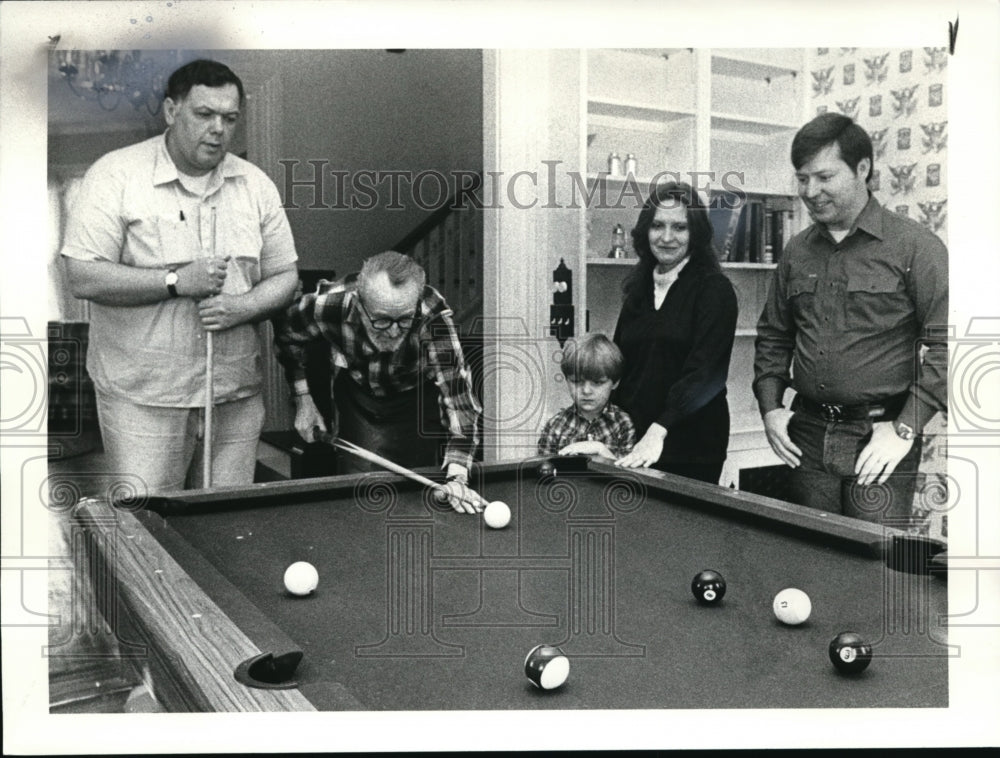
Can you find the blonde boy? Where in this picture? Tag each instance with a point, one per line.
(593, 425)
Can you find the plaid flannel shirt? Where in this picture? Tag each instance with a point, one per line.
(431, 351)
(613, 427)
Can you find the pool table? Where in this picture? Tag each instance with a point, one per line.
(419, 607)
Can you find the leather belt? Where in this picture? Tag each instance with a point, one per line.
(890, 408)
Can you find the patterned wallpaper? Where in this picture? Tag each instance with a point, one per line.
(899, 96)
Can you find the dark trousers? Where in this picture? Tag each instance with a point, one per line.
(695, 447)
(405, 428)
(825, 478)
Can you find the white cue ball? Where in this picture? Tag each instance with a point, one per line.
(792, 606)
(301, 578)
(497, 515)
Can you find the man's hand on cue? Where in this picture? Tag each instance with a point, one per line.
(221, 312)
(463, 498)
(320, 434)
(202, 278)
(308, 420)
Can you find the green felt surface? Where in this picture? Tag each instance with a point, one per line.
(423, 608)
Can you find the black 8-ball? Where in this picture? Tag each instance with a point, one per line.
(849, 653)
(708, 587)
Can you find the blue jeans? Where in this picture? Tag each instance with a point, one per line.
(163, 447)
(825, 477)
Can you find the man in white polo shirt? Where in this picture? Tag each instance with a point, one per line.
(139, 245)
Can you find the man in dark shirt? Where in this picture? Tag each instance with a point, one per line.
(854, 323)
(401, 387)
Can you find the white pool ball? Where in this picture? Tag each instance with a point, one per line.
(301, 578)
(497, 515)
(792, 606)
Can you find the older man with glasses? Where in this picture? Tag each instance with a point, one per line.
(400, 385)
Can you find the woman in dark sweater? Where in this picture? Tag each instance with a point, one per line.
(676, 331)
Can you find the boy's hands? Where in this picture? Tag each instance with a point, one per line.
(587, 447)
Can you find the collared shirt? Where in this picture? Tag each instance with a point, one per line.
(846, 322)
(612, 426)
(133, 208)
(431, 351)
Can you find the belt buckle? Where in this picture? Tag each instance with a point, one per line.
(832, 412)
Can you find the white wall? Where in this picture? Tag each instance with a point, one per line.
(355, 109)
(372, 110)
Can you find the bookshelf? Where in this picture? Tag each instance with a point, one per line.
(722, 120)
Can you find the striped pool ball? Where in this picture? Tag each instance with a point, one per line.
(792, 606)
(546, 666)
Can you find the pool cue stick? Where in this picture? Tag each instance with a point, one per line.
(209, 381)
(368, 455)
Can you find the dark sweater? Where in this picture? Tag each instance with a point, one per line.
(677, 363)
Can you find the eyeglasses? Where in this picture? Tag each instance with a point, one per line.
(384, 324)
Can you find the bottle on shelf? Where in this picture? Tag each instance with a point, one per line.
(617, 242)
(614, 165)
(630, 167)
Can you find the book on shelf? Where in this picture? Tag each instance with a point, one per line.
(724, 229)
(759, 229)
(775, 225)
(746, 246)
(769, 236)
(737, 251)
(755, 232)
(779, 223)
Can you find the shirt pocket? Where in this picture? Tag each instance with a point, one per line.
(178, 244)
(241, 240)
(876, 301)
(802, 294)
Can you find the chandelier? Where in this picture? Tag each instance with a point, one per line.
(110, 77)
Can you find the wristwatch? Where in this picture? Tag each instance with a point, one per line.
(905, 432)
(171, 282)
